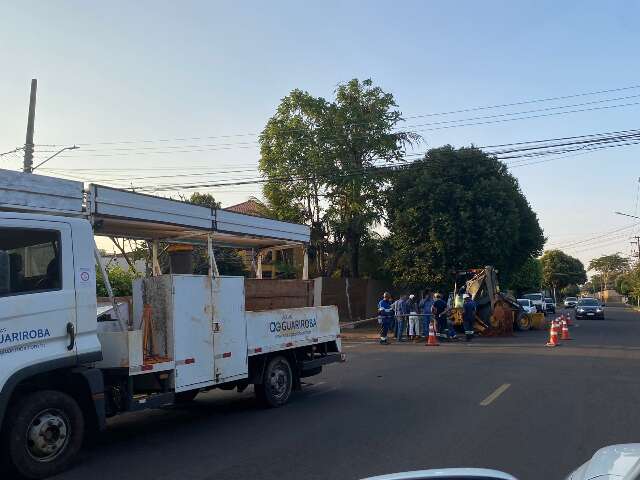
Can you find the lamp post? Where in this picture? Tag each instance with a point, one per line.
(54, 155)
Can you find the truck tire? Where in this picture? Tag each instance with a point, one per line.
(44, 433)
(277, 383)
(523, 322)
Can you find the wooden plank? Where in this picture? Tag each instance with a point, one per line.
(265, 288)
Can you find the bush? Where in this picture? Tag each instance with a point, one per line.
(120, 280)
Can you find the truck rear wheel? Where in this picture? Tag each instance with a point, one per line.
(277, 382)
(44, 433)
(523, 321)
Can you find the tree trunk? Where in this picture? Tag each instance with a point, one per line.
(353, 247)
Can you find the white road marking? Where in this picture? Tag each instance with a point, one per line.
(497, 392)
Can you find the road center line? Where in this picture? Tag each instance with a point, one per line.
(496, 393)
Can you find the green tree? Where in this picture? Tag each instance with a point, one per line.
(321, 158)
(229, 260)
(203, 199)
(609, 267)
(560, 270)
(528, 277)
(121, 282)
(458, 209)
(570, 290)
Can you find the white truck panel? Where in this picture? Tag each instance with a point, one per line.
(274, 330)
(192, 331)
(19, 191)
(230, 329)
(121, 349)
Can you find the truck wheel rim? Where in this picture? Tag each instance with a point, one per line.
(279, 380)
(47, 435)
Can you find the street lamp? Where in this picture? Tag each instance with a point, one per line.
(54, 155)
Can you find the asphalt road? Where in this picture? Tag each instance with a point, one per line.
(402, 407)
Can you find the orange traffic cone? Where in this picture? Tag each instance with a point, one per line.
(565, 331)
(553, 335)
(569, 322)
(432, 341)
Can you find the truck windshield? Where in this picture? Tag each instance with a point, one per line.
(29, 261)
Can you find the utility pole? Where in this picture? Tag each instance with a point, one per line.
(28, 144)
(637, 244)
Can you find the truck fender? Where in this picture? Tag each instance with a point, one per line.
(31, 371)
(94, 403)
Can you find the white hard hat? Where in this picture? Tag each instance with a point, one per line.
(466, 295)
(412, 296)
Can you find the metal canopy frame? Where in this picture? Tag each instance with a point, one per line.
(125, 214)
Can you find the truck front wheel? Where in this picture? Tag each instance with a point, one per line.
(277, 382)
(44, 434)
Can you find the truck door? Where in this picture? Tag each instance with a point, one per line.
(230, 329)
(37, 294)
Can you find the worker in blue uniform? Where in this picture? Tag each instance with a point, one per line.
(469, 308)
(385, 316)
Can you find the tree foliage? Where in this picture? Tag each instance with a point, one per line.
(320, 159)
(560, 270)
(570, 290)
(121, 281)
(458, 209)
(609, 267)
(628, 283)
(203, 199)
(228, 260)
(528, 277)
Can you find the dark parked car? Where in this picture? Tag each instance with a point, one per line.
(589, 308)
(550, 305)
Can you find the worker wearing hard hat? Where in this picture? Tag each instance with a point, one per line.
(468, 316)
(438, 309)
(385, 316)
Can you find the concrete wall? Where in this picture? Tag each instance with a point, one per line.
(356, 298)
(610, 296)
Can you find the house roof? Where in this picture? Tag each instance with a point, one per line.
(250, 207)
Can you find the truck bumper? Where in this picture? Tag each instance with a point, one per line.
(316, 363)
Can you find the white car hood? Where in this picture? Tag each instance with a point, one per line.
(609, 463)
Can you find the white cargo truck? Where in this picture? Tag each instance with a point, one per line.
(63, 372)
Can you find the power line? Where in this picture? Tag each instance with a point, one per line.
(464, 110)
(17, 149)
(225, 146)
(603, 234)
(514, 164)
(398, 164)
(490, 122)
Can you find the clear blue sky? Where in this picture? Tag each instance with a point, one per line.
(131, 71)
